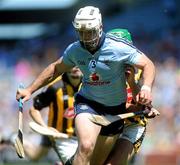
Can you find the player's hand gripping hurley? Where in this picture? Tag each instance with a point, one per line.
(19, 139)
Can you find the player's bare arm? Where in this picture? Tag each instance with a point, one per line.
(130, 77)
(48, 75)
(45, 77)
(148, 70)
(36, 116)
(145, 95)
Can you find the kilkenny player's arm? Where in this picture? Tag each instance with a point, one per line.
(41, 101)
(36, 116)
(130, 77)
(135, 89)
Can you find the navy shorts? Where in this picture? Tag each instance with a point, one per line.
(83, 105)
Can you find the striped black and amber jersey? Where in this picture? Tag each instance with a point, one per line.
(59, 97)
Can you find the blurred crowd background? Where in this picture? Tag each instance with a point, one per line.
(34, 34)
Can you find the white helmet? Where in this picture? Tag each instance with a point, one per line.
(88, 19)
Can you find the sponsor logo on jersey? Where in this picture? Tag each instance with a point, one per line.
(94, 77)
(83, 107)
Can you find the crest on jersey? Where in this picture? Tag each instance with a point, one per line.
(94, 77)
(83, 107)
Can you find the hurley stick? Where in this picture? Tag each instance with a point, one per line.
(19, 139)
(105, 120)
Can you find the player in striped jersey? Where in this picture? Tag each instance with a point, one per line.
(59, 97)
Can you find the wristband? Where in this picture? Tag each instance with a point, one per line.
(145, 87)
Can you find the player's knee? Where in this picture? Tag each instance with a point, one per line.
(86, 147)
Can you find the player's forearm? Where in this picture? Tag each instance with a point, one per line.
(45, 77)
(133, 85)
(36, 116)
(149, 74)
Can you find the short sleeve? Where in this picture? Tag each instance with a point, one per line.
(130, 53)
(134, 55)
(68, 56)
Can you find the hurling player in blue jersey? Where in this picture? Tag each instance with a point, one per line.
(102, 60)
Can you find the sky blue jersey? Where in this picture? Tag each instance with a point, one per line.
(103, 72)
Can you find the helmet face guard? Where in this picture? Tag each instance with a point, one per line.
(89, 38)
(88, 24)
